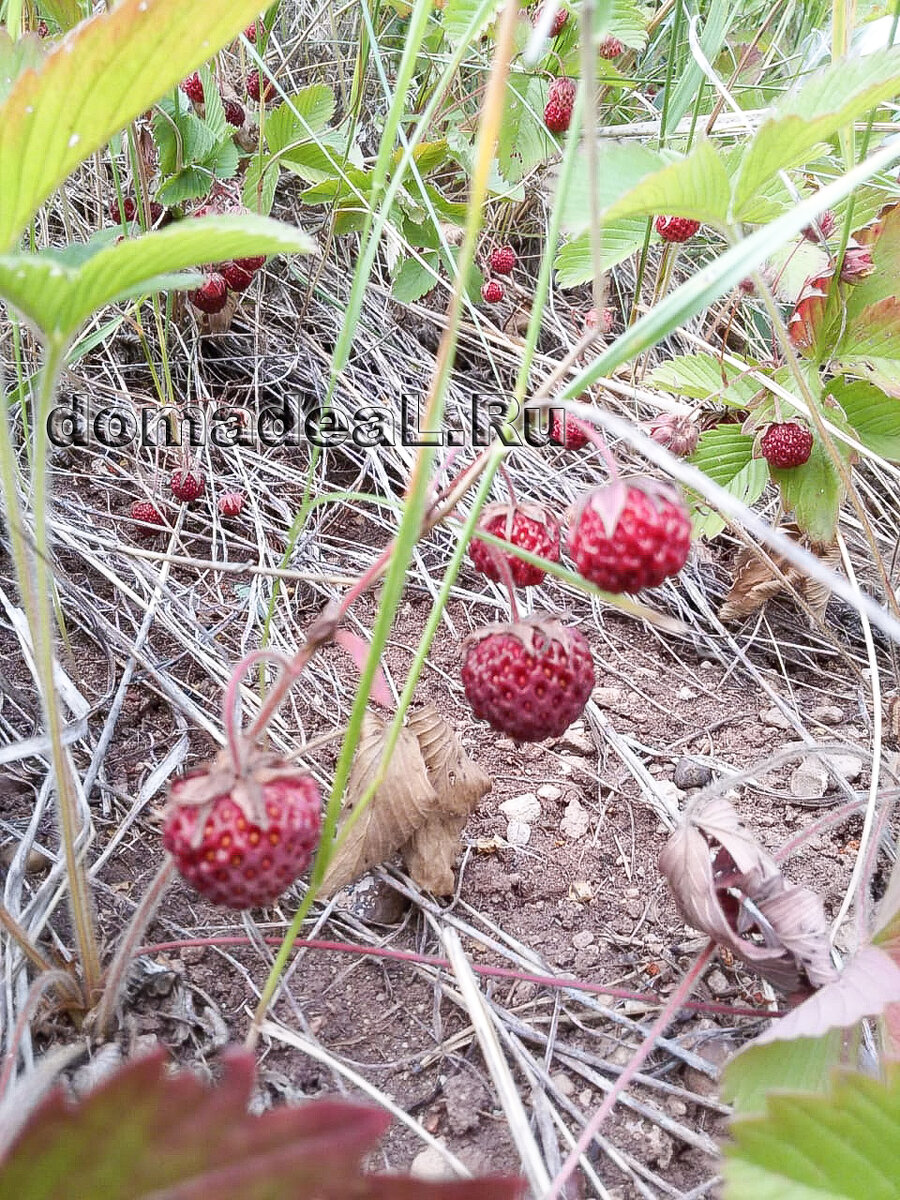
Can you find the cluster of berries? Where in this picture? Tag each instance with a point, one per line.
(531, 679)
(234, 111)
(130, 210)
(187, 484)
(502, 261)
(234, 276)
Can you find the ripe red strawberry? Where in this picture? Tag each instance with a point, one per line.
(250, 32)
(826, 224)
(559, 20)
(241, 840)
(626, 537)
(157, 212)
(531, 527)
(231, 503)
(253, 91)
(676, 229)
(610, 47)
(187, 485)
(193, 88)
(146, 511)
(234, 112)
(492, 292)
(677, 432)
(129, 207)
(560, 102)
(503, 260)
(212, 296)
(595, 320)
(569, 431)
(251, 264)
(236, 278)
(530, 679)
(786, 444)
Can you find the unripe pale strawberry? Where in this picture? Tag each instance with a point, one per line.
(677, 432)
(231, 504)
(242, 839)
(529, 679)
(628, 535)
(530, 527)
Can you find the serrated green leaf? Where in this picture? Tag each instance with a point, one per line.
(190, 184)
(840, 1146)
(260, 184)
(625, 20)
(18, 56)
(464, 20)
(314, 162)
(108, 71)
(705, 377)
(803, 1065)
(826, 103)
(414, 280)
(870, 345)
(523, 141)
(59, 299)
(726, 456)
(213, 108)
(618, 239)
(874, 416)
(314, 107)
(427, 156)
(224, 161)
(813, 491)
(66, 13)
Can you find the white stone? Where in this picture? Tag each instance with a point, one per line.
(576, 820)
(518, 833)
(607, 697)
(549, 792)
(563, 1083)
(577, 739)
(809, 780)
(848, 765)
(827, 714)
(525, 808)
(430, 1164)
(582, 938)
(776, 718)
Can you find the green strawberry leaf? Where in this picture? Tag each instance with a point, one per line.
(873, 416)
(618, 239)
(59, 299)
(523, 141)
(190, 184)
(813, 491)
(726, 456)
(260, 184)
(303, 114)
(108, 71)
(316, 161)
(414, 280)
(15, 57)
(803, 1064)
(705, 377)
(625, 20)
(213, 108)
(464, 20)
(870, 346)
(839, 1146)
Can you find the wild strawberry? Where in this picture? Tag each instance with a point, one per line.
(187, 485)
(157, 212)
(677, 432)
(212, 296)
(626, 537)
(250, 32)
(503, 260)
(610, 47)
(231, 503)
(528, 526)
(242, 838)
(492, 292)
(251, 264)
(569, 432)
(560, 102)
(253, 90)
(530, 679)
(43, 29)
(597, 320)
(193, 88)
(559, 19)
(129, 208)
(857, 264)
(676, 229)
(146, 511)
(236, 278)
(234, 113)
(786, 444)
(825, 224)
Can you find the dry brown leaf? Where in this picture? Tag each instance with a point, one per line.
(755, 582)
(403, 802)
(726, 884)
(460, 783)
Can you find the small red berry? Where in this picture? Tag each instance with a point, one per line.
(529, 680)
(569, 432)
(559, 19)
(677, 432)
(528, 526)
(187, 485)
(250, 32)
(234, 113)
(826, 224)
(492, 292)
(560, 102)
(193, 88)
(786, 445)
(236, 278)
(146, 511)
(212, 296)
(157, 212)
(43, 29)
(858, 264)
(242, 840)
(231, 503)
(610, 47)
(602, 321)
(251, 264)
(676, 229)
(129, 207)
(253, 90)
(624, 538)
(503, 260)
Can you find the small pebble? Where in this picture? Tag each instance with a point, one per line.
(518, 833)
(809, 780)
(691, 774)
(776, 718)
(827, 714)
(525, 808)
(549, 792)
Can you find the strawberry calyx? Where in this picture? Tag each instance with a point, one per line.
(527, 630)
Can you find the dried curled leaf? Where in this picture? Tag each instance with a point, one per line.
(726, 884)
(460, 784)
(402, 803)
(147, 1133)
(755, 582)
(419, 809)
